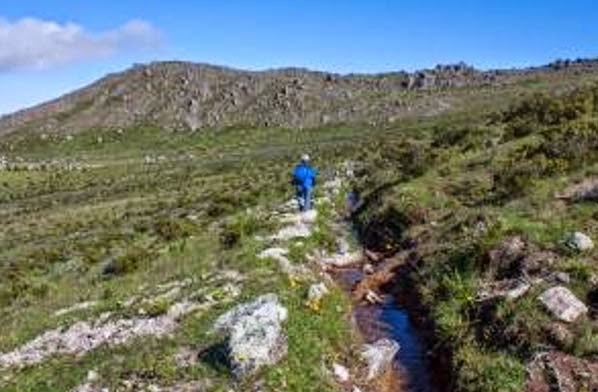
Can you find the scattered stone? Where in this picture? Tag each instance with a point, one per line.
(340, 372)
(255, 334)
(563, 277)
(285, 265)
(368, 269)
(316, 292)
(510, 289)
(186, 356)
(563, 304)
(343, 260)
(299, 230)
(373, 298)
(342, 246)
(580, 242)
(274, 253)
(307, 217)
(557, 371)
(379, 356)
(92, 376)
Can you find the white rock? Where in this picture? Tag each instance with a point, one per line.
(92, 376)
(85, 336)
(563, 304)
(368, 269)
(373, 298)
(307, 217)
(343, 260)
(274, 253)
(343, 246)
(255, 332)
(379, 356)
(579, 241)
(299, 230)
(340, 372)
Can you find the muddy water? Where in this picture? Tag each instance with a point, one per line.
(389, 320)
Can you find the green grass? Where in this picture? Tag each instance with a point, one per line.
(456, 185)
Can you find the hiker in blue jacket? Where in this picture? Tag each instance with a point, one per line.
(304, 178)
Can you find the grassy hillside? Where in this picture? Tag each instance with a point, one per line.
(111, 215)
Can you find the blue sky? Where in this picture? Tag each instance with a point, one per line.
(43, 56)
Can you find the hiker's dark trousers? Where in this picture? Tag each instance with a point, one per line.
(304, 198)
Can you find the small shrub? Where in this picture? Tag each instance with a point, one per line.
(171, 229)
(156, 307)
(126, 263)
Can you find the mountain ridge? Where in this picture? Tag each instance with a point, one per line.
(184, 95)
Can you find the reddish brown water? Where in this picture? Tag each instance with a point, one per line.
(389, 320)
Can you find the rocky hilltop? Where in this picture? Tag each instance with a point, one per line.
(190, 96)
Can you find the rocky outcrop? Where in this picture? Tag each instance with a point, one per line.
(84, 336)
(255, 334)
(190, 96)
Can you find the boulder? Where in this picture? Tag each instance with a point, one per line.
(580, 242)
(255, 334)
(563, 304)
(379, 356)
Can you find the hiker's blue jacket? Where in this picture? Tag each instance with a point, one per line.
(305, 175)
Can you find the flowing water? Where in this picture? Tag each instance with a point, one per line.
(390, 320)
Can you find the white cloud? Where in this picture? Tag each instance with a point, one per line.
(32, 43)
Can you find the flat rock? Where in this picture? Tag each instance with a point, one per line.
(299, 230)
(343, 260)
(285, 265)
(563, 304)
(509, 288)
(255, 334)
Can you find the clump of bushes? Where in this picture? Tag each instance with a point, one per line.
(238, 228)
(170, 229)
